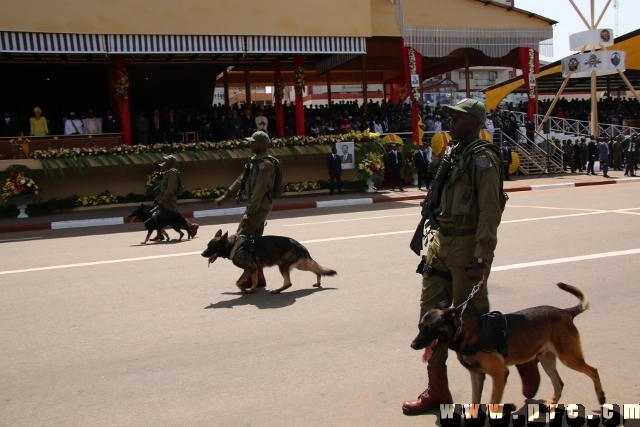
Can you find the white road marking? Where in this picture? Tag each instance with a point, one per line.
(87, 264)
(333, 239)
(98, 222)
(346, 202)
(349, 220)
(20, 240)
(565, 260)
(588, 212)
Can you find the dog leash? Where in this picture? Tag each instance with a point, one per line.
(475, 289)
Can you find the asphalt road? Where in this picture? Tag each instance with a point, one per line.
(97, 330)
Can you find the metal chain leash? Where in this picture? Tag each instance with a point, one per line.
(475, 289)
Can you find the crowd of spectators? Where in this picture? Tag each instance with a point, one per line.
(221, 122)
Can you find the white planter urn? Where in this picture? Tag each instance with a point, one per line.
(370, 186)
(415, 178)
(22, 213)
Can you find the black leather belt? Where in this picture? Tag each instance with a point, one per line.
(455, 233)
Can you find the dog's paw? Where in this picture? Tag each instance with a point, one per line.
(275, 291)
(316, 285)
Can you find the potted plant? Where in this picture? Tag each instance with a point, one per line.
(20, 189)
(370, 167)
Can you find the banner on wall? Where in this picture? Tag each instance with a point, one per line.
(530, 64)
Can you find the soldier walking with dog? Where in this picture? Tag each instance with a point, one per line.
(464, 206)
(259, 182)
(169, 188)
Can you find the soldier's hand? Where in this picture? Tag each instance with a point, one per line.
(217, 202)
(245, 218)
(475, 271)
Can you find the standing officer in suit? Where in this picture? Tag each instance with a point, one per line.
(631, 151)
(506, 159)
(172, 127)
(422, 159)
(603, 149)
(248, 123)
(592, 154)
(334, 166)
(8, 125)
(394, 162)
(110, 123)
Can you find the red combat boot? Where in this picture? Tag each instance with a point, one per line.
(437, 393)
(530, 378)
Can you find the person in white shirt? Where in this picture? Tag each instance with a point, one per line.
(377, 126)
(261, 122)
(437, 124)
(489, 124)
(73, 126)
(92, 125)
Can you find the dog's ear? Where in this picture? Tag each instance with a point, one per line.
(219, 233)
(225, 236)
(443, 305)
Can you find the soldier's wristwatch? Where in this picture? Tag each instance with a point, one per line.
(481, 261)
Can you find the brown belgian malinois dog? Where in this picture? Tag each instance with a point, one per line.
(251, 253)
(543, 332)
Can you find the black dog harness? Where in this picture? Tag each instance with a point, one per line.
(494, 335)
(247, 244)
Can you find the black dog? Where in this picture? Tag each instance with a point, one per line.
(161, 219)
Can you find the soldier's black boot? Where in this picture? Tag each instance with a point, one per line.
(530, 378)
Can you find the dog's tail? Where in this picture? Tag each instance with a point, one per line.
(318, 269)
(584, 299)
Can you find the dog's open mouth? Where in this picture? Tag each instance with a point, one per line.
(428, 351)
(211, 259)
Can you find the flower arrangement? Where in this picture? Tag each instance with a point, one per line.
(206, 193)
(121, 85)
(409, 151)
(19, 188)
(298, 77)
(278, 91)
(123, 150)
(358, 136)
(299, 187)
(370, 162)
(415, 91)
(152, 179)
(104, 198)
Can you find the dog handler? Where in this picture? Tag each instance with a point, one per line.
(461, 252)
(259, 188)
(168, 189)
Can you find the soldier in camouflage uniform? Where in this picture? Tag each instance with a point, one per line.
(259, 189)
(461, 252)
(168, 191)
(616, 149)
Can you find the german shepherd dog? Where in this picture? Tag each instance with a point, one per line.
(543, 332)
(264, 251)
(160, 220)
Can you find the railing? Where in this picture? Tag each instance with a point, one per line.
(540, 156)
(578, 127)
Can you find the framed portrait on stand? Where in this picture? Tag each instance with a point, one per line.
(346, 153)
